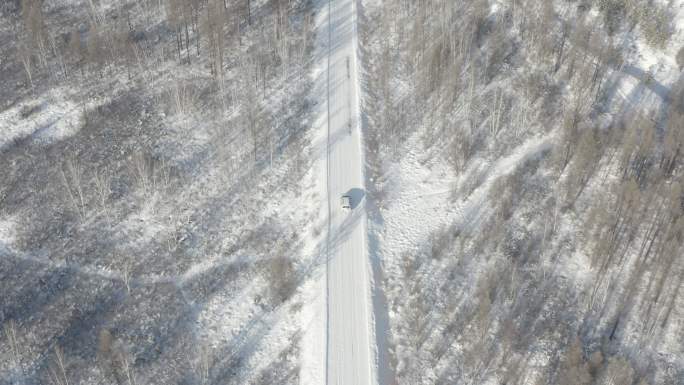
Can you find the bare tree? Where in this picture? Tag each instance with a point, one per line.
(173, 11)
(673, 144)
(34, 24)
(254, 119)
(585, 163)
(57, 52)
(182, 98)
(73, 183)
(10, 329)
(205, 362)
(574, 370)
(102, 183)
(213, 28)
(26, 60)
(74, 50)
(618, 372)
(58, 370)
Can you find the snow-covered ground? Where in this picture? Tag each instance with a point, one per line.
(49, 117)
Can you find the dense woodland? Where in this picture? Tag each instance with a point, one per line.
(572, 271)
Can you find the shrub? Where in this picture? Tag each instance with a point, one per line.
(680, 58)
(282, 280)
(655, 23)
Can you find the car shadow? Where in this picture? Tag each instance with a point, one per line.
(356, 196)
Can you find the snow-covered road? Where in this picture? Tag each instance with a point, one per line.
(349, 339)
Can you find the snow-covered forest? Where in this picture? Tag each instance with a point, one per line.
(147, 149)
(163, 194)
(525, 160)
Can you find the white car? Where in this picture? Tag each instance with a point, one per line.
(346, 202)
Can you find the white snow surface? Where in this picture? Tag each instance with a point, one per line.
(420, 201)
(6, 230)
(49, 117)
